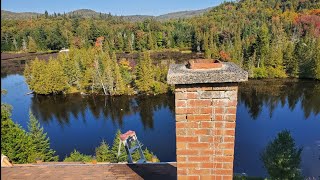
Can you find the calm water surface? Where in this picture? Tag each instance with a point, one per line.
(264, 109)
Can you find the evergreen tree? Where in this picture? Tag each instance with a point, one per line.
(35, 76)
(291, 63)
(40, 140)
(40, 38)
(317, 60)
(55, 77)
(144, 74)
(32, 46)
(150, 42)
(15, 142)
(114, 150)
(107, 72)
(263, 45)
(281, 157)
(76, 156)
(119, 85)
(55, 39)
(46, 15)
(103, 153)
(206, 49)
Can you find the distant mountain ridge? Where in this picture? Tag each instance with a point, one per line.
(88, 13)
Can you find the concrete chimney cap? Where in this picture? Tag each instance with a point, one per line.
(229, 72)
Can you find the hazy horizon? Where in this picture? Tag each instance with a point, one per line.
(121, 7)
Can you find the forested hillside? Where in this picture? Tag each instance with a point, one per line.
(268, 38)
(87, 13)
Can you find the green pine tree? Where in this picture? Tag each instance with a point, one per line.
(317, 60)
(40, 140)
(56, 79)
(282, 158)
(114, 150)
(76, 156)
(103, 153)
(32, 46)
(15, 142)
(144, 73)
(119, 84)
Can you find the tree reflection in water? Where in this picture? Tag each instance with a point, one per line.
(62, 107)
(258, 93)
(255, 94)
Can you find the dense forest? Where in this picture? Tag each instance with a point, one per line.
(95, 71)
(269, 39)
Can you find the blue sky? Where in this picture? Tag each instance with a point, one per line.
(115, 7)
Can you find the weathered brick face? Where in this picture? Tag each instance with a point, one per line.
(205, 130)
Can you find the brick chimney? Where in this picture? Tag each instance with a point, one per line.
(206, 105)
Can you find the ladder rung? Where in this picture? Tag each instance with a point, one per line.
(141, 161)
(133, 149)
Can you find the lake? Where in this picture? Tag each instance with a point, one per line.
(265, 107)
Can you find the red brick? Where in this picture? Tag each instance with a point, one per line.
(227, 165)
(181, 159)
(187, 124)
(181, 118)
(202, 132)
(228, 177)
(199, 158)
(181, 111)
(223, 172)
(231, 110)
(206, 165)
(181, 145)
(187, 152)
(228, 139)
(205, 152)
(208, 124)
(226, 145)
(198, 145)
(206, 139)
(223, 159)
(230, 132)
(182, 171)
(218, 165)
(218, 124)
(228, 152)
(231, 125)
(230, 117)
(218, 102)
(210, 177)
(218, 118)
(199, 103)
(180, 96)
(188, 177)
(181, 103)
(192, 95)
(187, 165)
(218, 110)
(218, 139)
(192, 110)
(218, 131)
(187, 138)
(181, 132)
(218, 152)
(200, 171)
(232, 103)
(206, 110)
(199, 117)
